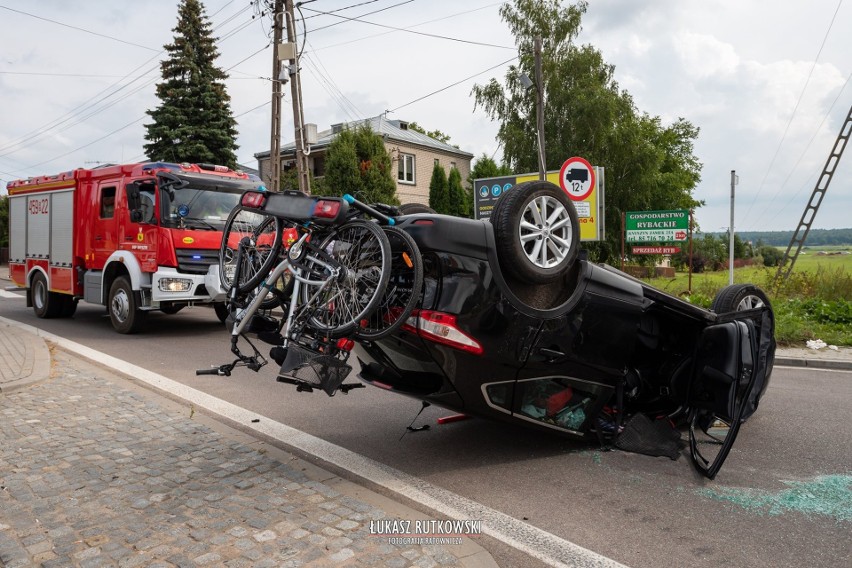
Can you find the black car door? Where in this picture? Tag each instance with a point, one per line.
(730, 367)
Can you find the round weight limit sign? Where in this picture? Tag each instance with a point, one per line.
(577, 178)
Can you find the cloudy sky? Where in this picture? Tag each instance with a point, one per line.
(764, 80)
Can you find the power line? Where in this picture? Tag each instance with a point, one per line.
(452, 85)
(51, 126)
(448, 38)
(78, 29)
(795, 108)
(332, 13)
(409, 27)
(813, 137)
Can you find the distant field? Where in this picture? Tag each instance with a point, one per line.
(814, 303)
(709, 282)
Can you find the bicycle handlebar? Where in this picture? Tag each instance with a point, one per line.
(364, 208)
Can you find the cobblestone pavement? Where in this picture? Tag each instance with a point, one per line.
(97, 473)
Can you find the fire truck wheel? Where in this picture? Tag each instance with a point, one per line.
(69, 306)
(123, 307)
(171, 309)
(46, 304)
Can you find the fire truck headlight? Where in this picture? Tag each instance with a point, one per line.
(175, 284)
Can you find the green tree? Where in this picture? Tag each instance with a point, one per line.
(193, 122)
(4, 220)
(648, 165)
(455, 194)
(358, 163)
(436, 134)
(439, 192)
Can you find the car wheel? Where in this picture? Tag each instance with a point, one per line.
(536, 231)
(739, 297)
(414, 208)
(124, 312)
(46, 304)
(221, 309)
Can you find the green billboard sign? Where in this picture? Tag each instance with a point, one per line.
(656, 226)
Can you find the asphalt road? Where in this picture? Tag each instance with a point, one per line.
(782, 498)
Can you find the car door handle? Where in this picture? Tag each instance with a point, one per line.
(98, 238)
(552, 353)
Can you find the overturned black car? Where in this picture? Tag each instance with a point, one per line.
(515, 325)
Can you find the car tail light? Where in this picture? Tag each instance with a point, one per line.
(326, 208)
(441, 328)
(253, 199)
(345, 344)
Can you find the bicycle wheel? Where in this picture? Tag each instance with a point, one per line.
(361, 251)
(259, 252)
(403, 290)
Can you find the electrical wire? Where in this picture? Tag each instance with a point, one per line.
(409, 27)
(452, 85)
(408, 30)
(332, 13)
(795, 108)
(124, 41)
(87, 106)
(813, 137)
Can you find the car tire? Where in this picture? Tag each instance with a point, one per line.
(123, 307)
(46, 304)
(414, 208)
(536, 250)
(221, 309)
(738, 297)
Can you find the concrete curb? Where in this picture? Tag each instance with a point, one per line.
(836, 365)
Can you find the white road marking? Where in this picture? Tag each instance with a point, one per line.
(544, 546)
(5, 294)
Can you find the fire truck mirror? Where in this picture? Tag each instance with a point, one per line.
(133, 198)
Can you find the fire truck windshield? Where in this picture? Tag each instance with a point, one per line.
(200, 201)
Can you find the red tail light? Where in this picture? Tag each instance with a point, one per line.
(441, 328)
(345, 344)
(327, 209)
(253, 199)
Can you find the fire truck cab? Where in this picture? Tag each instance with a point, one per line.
(135, 238)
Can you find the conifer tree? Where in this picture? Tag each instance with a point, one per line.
(455, 194)
(358, 163)
(439, 195)
(193, 122)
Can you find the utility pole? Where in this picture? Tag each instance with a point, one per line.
(539, 106)
(731, 232)
(298, 111)
(275, 143)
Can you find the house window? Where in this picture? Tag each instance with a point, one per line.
(406, 168)
(107, 202)
(437, 162)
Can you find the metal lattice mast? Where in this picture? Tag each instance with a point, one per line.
(798, 240)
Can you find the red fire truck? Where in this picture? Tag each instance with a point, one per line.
(135, 238)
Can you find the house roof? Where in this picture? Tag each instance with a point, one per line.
(396, 130)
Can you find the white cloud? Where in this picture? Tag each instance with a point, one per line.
(734, 68)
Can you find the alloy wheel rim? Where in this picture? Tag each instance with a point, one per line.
(750, 302)
(545, 232)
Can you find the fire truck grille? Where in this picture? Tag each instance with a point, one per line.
(196, 261)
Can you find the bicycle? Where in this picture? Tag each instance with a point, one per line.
(339, 268)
